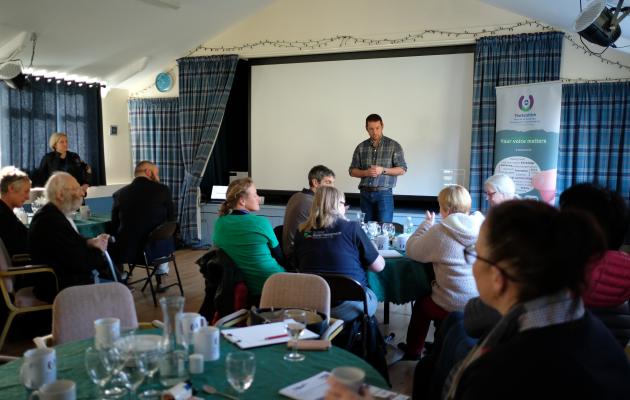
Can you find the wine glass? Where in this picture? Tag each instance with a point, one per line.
(389, 229)
(134, 369)
(374, 229)
(295, 322)
(240, 369)
(100, 370)
(152, 357)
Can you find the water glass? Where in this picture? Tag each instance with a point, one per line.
(389, 230)
(240, 369)
(360, 217)
(100, 370)
(134, 370)
(295, 323)
(374, 229)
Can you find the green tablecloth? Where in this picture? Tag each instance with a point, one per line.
(272, 372)
(93, 226)
(402, 280)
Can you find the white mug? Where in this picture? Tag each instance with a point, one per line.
(39, 367)
(207, 343)
(352, 377)
(382, 242)
(58, 390)
(106, 331)
(85, 212)
(400, 242)
(188, 324)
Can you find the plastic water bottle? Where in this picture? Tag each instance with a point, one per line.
(409, 225)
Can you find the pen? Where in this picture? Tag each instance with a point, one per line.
(276, 336)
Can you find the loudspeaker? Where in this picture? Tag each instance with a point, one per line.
(18, 82)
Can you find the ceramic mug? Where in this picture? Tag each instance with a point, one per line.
(58, 390)
(187, 325)
(39, 367)
(382, 242)
(106, 331)
(207, 343)
(400, 242)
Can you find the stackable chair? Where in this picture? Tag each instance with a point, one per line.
(20, 301)
(77, 307)
(162, 232)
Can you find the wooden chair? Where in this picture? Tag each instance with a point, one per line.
(23, 300)
(77, 307)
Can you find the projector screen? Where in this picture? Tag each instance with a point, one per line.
(309, 113)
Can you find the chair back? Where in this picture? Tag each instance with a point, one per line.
(77, 307)
(399, 228)
(278, 231)
(162, 232)
(287, 289)
(344, 288)
(5, 264)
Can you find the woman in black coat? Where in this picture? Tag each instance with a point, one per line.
(60, 159)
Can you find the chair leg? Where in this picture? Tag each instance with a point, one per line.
(7, 325)
(179, 281)
(150, 283)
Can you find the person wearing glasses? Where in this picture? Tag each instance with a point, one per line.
(499, 188)
(15, 187)
(443, 245)
(328, 243)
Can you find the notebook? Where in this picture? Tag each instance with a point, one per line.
(262, 335)
(315, 388)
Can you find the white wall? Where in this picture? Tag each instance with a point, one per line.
(118, 168)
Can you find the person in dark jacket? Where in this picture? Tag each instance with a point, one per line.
(60, 159)
(14, 191)
(55, 240)
(138, 208)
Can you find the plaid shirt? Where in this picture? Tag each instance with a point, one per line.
(388, 154)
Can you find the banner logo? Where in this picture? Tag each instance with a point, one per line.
(526, 104)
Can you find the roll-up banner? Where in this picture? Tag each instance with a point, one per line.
(527, 136)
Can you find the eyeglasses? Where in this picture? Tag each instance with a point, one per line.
(472, 255)
(490, 194)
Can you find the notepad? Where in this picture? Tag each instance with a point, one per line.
(262, 335)
(315, 388)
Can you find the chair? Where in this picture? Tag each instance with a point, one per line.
(306, 291)
(164, 231)
(399, 228)
(278, 230)
(225, 289)
(77, 307)
(23, 300)
(344, 288)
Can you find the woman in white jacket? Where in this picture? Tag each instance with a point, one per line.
(443, 245)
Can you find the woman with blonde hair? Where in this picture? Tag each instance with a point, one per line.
(328, 243)
(247, 238)
(443, 245)
(60, 159)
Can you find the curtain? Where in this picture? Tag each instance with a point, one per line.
(595, 136)
(501, 61)
(29, 116)
(154, 130)
(204, 87)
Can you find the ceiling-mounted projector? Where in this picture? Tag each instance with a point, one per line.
(600, 24)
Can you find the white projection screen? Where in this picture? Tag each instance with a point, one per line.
(309, 113)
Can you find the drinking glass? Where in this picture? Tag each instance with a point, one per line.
(360, 217)
(240, 369)
(295, 322)
(134, 369)
(100, 371)
(151, 358)
(389, 229)
(374, 229)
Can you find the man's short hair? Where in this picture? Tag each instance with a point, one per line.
(373, 118)
(141, 166)
(318, 173)
(11, 175)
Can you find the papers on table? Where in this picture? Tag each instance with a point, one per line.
(315, 387)
(390, 253)
(262, 335)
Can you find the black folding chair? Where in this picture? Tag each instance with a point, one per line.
(164, 231)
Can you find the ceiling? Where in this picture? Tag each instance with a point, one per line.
(562, 14)
(107, 40)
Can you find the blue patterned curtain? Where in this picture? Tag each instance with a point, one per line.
(30, 115)
(595, 136)
(155, 137)
(204, 88)
(501, 61)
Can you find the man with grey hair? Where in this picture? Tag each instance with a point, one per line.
(299, 205)
(55, 240)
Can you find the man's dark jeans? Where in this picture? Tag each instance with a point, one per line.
(378, 206)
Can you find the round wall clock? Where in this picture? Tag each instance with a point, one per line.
(163, 81)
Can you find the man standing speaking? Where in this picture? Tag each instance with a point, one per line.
(377, 161)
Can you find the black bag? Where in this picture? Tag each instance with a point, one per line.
(316, 322)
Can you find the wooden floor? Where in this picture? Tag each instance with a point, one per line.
(401, 373)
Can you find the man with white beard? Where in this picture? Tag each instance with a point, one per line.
(55, 240)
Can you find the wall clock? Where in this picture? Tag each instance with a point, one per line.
(163, 81)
